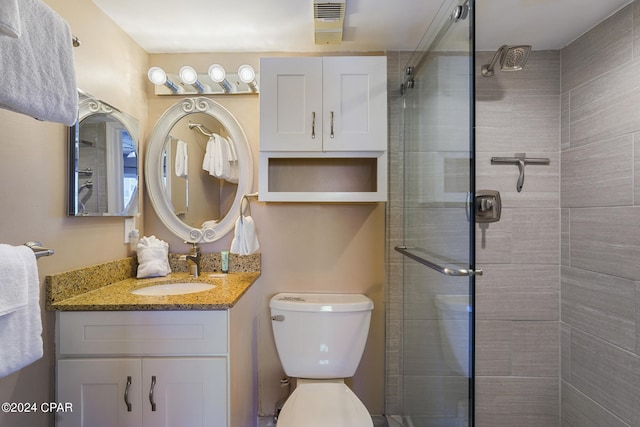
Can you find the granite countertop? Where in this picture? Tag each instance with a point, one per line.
(91, 289)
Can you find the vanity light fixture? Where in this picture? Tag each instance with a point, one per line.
(189, 76)
(247, 75)
(219, 75)
(157, 76)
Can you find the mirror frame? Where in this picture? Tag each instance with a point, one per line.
(153, 169)
(87, 106)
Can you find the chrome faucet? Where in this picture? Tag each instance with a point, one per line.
(193, 260)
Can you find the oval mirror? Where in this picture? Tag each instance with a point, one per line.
(103, 161)
(198, 168)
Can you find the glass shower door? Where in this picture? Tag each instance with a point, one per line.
(438, 266)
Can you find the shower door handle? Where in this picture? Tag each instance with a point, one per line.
(459, 272)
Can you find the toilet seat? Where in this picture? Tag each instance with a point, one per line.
(322, 403)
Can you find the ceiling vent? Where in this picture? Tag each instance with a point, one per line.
(328, 19)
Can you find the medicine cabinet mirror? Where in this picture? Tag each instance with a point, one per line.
(198, 200)
(103, 161)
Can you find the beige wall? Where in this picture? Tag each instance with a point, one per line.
(33, 161)
(305, 247)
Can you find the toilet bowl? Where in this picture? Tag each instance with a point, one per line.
(320, 339)
(453, 318)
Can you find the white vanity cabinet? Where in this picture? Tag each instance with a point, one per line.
(323, 129)
(157, 368)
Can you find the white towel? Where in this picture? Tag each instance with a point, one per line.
(21, 330)
(13, 277)
(9, 18)
(245, 239)
(182, 159)
(153, 257)
(37, 72)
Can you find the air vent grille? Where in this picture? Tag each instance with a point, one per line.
(329, 11)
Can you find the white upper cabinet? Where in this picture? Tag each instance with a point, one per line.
(323, 129)
(323, 104)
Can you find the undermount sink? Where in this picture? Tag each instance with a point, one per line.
(174, 289)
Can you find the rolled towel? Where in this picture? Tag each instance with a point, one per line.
(153, 257)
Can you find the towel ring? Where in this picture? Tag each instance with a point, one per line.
(246, 197)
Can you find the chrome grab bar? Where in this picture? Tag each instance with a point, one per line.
(439, 268)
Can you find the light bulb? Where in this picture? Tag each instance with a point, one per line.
(217, 73)
(246, 73)
(157, 75)
(188, 75)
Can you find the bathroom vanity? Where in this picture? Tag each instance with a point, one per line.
(130, 360)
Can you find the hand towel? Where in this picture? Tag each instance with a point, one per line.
(37, 71)
(234, 174)
(21, 330)
(9, 18)
(153, 257)
(245, 239)
(13, 278)
(206, 161)
(182, 159)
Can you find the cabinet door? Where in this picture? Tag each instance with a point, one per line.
(97, 388)
(186, 392)
(355, 103)
(291, 104)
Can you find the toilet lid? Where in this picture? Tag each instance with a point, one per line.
(322, 403)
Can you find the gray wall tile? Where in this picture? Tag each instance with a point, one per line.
(598, 174)
(518, 292)
(604, 47)
(513, 401)
(580, 411)
(606, 240)
(609, 375)
(600, 304)
(536, 349)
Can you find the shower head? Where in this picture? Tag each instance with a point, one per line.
(512, 58)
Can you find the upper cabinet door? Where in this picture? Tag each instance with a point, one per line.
(291, 104)
(323, 104)
(355, 103)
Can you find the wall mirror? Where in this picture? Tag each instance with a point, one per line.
(198, 166)
(103, 161)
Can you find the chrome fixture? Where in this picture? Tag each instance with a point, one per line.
(521, 160)
(216, 81)
(488, 206)
(512, 58)
(38, 250)
(157, 76)
(189, 76)
(193, 260)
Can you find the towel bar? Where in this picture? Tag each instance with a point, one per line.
(38, 250)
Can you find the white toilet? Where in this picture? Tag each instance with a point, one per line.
(320, 339)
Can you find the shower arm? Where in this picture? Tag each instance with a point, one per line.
(487, 70)
(521, 161)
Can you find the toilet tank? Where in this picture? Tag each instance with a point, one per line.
(320, 335)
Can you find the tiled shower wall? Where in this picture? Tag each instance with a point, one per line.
(581, 108)
(517, 298)
(600, 188)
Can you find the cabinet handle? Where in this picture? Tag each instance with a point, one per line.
(313, 125)
(151, 400)
(331, 125)
(126, 394)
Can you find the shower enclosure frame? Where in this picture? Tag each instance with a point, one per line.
(438, 258)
